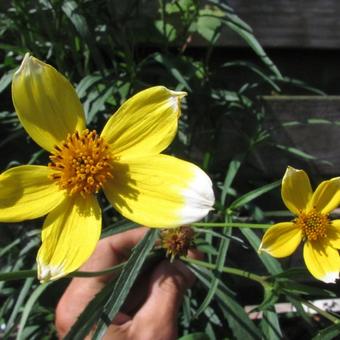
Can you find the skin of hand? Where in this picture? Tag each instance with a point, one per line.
(151, 310)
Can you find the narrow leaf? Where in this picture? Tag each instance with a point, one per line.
(270, 325)
(233, 168)
(238, 320)
(195, 336)
(90, 315)
(222, 253)
(329, 333)
(125, 281)
(251, 195)
(28, 307)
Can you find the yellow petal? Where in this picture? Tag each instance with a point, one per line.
(160, 191)
(145, 124)
(26, 192)
(333, 234)
(322, 260)
(281, 239)
(46, 103)
(326, 196)
(70, 234)
(296, 190)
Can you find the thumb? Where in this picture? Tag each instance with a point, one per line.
(167, 286)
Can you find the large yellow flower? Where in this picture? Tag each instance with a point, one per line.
(124, 160)
(311, 224)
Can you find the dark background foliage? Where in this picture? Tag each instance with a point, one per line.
(111, 49)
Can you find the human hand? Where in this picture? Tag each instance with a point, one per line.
(150, 312)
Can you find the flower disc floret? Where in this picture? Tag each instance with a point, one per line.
(82, 163)
(177, 241)
(313, 224)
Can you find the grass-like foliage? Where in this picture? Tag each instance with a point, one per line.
(110, 50)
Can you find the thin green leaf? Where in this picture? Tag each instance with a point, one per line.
(90, 315)
(300, 84)
(251, 195)
(208, 24)
(300, 309)
(17, 275)
(255, 45)
(270, 325)
(329, 333)
(28, 307)
(12, 48)
(195, 336)
(270, 297)
(35, 156)
(239, 322)
(86, 83)
(5, 80)
(9, 247)
(97, 104)
(231, 15)
(222, 253)
(293, 287)
(255, 69)
(221, 235)
(166, 29)
(295, 151)
(233, 168)
(25, 290)
(293, 273)
(125, 282)
(71, 10)
(169, 64)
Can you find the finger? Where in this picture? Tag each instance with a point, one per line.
(167, 286)
(139, 292)
(109, 252)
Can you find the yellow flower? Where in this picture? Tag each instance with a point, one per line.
(312, 225)
(124, 160)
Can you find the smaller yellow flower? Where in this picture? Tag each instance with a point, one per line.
(312, 225)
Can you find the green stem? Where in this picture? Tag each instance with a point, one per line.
(322, 312)
(229, 270)
(102, 272)
(232, 224)
(18, 275)
(23, 274)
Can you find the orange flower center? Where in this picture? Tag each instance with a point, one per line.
(313, 224)
(82, 163)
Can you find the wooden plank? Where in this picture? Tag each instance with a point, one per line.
(308, 123)
(288, 23)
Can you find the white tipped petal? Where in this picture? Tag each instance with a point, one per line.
(145, 124)
(198, 198)
(46, 103)
(296, 190)
(69, 236)
(47, 272)
(330, 277)
(322, 260)
(160, 191)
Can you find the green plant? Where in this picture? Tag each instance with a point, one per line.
(110, 50)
